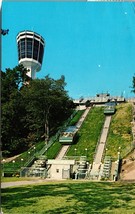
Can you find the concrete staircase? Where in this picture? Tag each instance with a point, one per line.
(97, 164)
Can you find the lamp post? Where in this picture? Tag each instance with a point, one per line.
(21, 162)
(75, 151)
(13, 164)
(118, 156)
(86, 151)
(119, 153)
(28, 155)
(3, 161)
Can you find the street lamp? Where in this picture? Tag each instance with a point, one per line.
(28, 154)
(3, 161)
(86, 151)
(75, 151)
(21, 162)
(34, 150)
(13, 164)
(118, 156)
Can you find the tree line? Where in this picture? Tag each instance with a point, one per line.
(31, 110)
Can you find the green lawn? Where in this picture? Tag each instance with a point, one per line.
(76, 118)
(55, 148)
(120, 134)
(70, 197)
(89, 134)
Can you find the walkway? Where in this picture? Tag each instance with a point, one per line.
(101, 146)
(21, 183)
(28, 182)
(102, 142)
(62, 152)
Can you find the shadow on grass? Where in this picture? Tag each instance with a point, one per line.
(87, 197)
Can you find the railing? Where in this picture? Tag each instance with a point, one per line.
(77, 158)
(47, 146)
(54, 138)
(33, 172)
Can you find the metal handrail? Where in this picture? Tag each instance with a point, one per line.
(51, 141)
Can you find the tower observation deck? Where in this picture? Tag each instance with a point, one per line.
(30, 51)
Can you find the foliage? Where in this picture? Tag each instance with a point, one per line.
(31, 111)
(13, 109)
(47, 105)
(133, 84)
(70, 197)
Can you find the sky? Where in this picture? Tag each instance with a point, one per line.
(91, 43)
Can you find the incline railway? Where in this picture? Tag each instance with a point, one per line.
(110, 108)
(70, 134)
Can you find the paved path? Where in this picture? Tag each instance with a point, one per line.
(62, 152)
(102, 142)
(20, 183)
(29, 182)
(101, 146)
(79, 123)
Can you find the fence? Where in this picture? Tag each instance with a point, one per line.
(47, 146)
(33, 172)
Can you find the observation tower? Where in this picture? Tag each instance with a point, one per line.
(30, 51)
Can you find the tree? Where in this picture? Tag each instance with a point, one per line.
(31, 111)
(12, 109)
(133, 84)
(47, 105)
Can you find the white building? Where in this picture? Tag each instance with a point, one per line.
(60, 169)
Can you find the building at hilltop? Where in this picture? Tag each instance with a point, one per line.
(99, 99)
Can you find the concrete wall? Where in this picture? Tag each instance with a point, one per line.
(57, 171)
(60, 169)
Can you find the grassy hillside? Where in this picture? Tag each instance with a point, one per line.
(89, 134)
(51, 152)
(55, 148)
(120, 134)
(70, 197)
